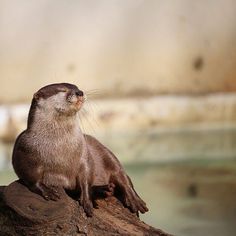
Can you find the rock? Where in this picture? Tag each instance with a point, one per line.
(26, 213)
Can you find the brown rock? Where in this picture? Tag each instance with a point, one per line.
(26, 213)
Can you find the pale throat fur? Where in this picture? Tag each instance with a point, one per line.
(55, 133)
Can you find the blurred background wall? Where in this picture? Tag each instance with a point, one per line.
(119, 47)
(160, 51)
(160, 77)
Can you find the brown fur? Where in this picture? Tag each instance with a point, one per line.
(53, 152)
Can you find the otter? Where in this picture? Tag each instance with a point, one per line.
(54, 153)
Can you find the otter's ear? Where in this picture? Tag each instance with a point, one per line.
(36, 96)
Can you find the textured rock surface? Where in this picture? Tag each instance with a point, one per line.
(25, 213)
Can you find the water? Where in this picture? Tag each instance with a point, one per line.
(189, 198)
(187, 178)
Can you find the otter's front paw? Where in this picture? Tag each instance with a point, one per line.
(87, 206)
(51, 193)
(47, 192)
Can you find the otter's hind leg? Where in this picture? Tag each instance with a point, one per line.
(129, 196)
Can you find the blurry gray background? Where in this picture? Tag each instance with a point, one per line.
(160, 77)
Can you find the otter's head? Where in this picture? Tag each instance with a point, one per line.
(59, 99)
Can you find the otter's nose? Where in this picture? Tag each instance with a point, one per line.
(79, 93)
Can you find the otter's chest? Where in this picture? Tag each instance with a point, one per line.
(64, 151)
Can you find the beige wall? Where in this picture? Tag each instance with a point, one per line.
(119, 47)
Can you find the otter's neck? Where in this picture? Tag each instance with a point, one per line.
(53, 126)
